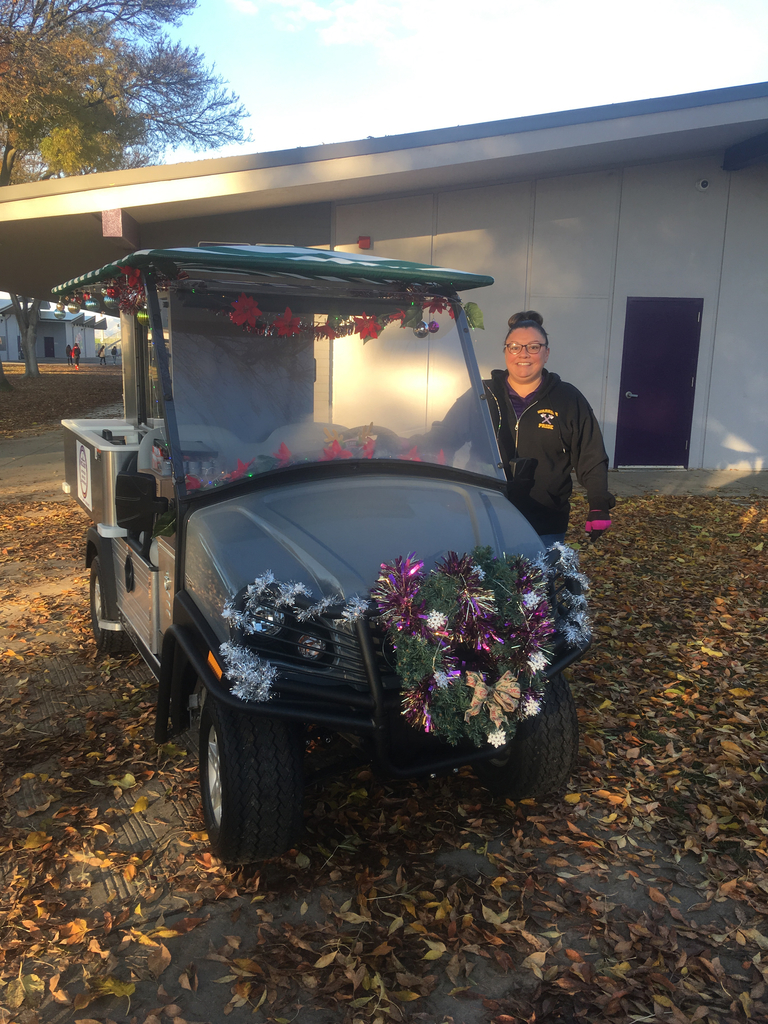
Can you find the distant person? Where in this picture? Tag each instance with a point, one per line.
(76, 356)
(68, 350)
(114, 354)
(103, 355)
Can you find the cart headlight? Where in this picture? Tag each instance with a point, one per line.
(311, 646)
(267, 621)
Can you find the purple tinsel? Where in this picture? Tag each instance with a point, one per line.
(395, 594)
(416, 701)
(477, 609)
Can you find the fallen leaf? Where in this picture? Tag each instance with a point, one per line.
(534, 963)
(158, 960)
(73, 932)
(732, 747)
(35, 840)
(37, 809)
(27, 988)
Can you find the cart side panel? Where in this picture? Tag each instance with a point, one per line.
(91, 464)
(137, 593)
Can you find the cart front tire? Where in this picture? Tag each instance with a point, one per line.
(543, 752)
(251, 783)
(108, 641)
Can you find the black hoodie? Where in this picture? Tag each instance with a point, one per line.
(558, 432)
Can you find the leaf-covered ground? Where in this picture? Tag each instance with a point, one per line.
(641, 895)
(60, 392)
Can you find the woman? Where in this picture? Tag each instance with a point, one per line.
(545, 428)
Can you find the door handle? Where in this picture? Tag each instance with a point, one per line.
(629, 394)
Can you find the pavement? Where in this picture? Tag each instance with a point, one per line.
(32, 468)
(709, 482)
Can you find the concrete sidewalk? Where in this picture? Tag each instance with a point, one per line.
(33, 468)
(727, 483)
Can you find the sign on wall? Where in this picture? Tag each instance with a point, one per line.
(84, 492)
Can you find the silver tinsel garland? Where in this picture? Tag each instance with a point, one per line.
(253, 676)
(355, 608)
(574, 625)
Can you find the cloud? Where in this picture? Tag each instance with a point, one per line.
(244, 7)
(538, 37)
(298, 14)
(359, 68)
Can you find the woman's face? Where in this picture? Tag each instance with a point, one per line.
(525, 368)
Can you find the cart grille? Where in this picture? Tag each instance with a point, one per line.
(325, 651)
(322, 650)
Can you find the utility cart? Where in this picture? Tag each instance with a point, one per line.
(301, 523)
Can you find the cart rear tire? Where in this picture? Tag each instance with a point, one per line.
(251, 783)
(543, 752)
(108, 641)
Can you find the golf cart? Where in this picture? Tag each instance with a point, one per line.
(287, 531)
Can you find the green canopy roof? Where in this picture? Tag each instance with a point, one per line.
(282, 259)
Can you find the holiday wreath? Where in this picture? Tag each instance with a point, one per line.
(472, 638)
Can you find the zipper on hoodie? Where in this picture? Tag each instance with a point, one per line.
(517, 422)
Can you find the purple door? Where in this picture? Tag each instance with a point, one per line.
(658, 378)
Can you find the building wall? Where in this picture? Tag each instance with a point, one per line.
(293, 225)
(670, 244)
(576, 247)
(63, 333)
(737, 415)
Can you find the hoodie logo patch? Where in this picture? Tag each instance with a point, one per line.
(546, 419)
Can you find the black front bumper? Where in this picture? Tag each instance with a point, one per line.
(367, 712)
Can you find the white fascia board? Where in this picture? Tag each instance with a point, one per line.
(322, 180)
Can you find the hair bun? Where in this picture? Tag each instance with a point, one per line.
(530, 314)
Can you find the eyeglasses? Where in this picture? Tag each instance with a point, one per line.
(532, 349)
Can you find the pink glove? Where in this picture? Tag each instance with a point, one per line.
(598, 521)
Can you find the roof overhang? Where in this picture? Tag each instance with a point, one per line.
(54, 230)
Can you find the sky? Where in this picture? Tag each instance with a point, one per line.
(322, 71)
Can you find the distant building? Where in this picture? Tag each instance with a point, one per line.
(54, 334)
(639, 230)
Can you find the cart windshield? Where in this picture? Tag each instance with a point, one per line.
(258, 385)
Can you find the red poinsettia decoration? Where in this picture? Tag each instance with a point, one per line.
(245, 310)
(412, 455)
(193, 483)
(326, 331)
(283, 455)
(367, 326)
(133, 274)
(369, 447)
(287, 325)
(438, 305)
(335, 451)
(399, 315)
(240, 470)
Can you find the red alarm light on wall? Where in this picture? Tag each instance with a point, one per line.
(364, 242)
